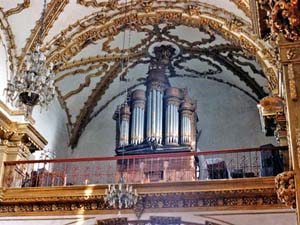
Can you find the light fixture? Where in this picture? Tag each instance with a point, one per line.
(34, 83)
(121, 196)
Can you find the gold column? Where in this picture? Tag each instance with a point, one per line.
(290, 59)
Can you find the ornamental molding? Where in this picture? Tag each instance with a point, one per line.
(7, 37)
(194, 196)
(97, 93)
(154, 220)
(53, 10)
(21, 135)
(20, 7)
(297, 138)
(243, 5)
(292, 82)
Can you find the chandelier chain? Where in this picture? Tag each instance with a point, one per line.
(42, 22)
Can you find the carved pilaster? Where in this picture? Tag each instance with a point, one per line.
(290, 61)
(291, 82)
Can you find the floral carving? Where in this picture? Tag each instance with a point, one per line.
(291, 53)
(292, 82)
(284, 17)
(285, 186)
(71, 204)
(19, 8)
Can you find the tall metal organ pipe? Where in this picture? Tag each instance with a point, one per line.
(172, 100)
(122, 116)
(137, 119)
(187, 113)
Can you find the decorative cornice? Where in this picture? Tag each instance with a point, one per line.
(234, 194)
(23, 133)
(9, 111)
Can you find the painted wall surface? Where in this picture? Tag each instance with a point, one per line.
(51, 124)
(227, 119)
(3, 70)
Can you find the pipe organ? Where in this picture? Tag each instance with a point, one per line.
(160, 118)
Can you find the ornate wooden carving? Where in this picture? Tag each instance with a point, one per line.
(192, 196)
(22, 135)
(19, 8)
(292, 82)
(113, 221)
(160, 220)
(283, 17)
(243, 6)
(285, 188)
(54, 9)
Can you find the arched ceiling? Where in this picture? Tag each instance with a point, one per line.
(101, 48)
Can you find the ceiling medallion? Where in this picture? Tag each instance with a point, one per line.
(152, 48)
(34, 84)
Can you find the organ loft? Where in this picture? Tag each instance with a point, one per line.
(160, 120)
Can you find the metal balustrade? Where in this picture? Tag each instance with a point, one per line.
(164, 167)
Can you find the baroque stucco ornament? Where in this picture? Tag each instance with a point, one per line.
(284, 17)
(285, 188)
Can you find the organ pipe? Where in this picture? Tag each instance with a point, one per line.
(122, 116)
(158, 112)
(153, 115)
(149, 115)
(137, 125)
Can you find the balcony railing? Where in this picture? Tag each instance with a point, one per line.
(164, 167)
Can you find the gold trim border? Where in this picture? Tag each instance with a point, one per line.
(211, 195)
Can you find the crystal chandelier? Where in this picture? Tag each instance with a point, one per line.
(34, 83)
(121, 196)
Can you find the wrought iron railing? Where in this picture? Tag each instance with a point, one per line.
(150, 168)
